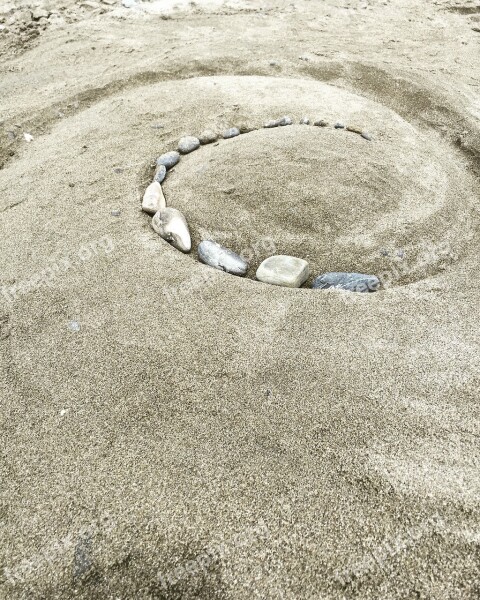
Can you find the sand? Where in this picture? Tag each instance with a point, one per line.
(171, 431)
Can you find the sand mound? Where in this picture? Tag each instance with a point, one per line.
(155, 409)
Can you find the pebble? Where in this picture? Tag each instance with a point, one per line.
(365, 135)
(271, 123)
(172, 226)
(188, 144)
(244, 128)
(153, 199)
(169, 159)
(352, 282)
(354, 129)
(28, 137)
(115, 213)
(230, 133)
(305, 121)
(320, 123)
(339, 126)
(217, 256)
(285, 121)
(287, 271)
(160, 173)
(207, 137)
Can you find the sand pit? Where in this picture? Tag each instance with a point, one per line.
(173, 431)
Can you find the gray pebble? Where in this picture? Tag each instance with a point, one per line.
(365, 135)
(188, 144)
(230, 133)
(270, 124)
(285, 121)
(320, 123)
(160, 173)
(217, 256)
(352, 282)
(169, 159)
(305, 121)
(115, 213)
(207, 137)
(339, 126)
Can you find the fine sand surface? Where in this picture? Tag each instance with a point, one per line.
(171, 431)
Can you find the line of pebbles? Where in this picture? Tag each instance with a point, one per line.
(288, 271)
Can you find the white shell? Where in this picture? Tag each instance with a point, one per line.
(172, 226)
(153, 199)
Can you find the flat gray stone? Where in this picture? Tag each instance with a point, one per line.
(339, 125)
(188, 144)
(217, 256)
(169, 159)
(351, 282)
(366, 136)
(230, 133)
(160, 173)
(285, 121)
(271, 123)
(287, 271)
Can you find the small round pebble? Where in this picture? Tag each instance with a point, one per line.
(339, 126)
(270, 124)
(208, 137)
(115, 213)
(320, 123)
(351, 282)
(160, 173)
(230, 133)
(305, 121)
(169, 159)
(285, 121)
(188, 144)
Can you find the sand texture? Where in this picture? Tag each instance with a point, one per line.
(172, 431)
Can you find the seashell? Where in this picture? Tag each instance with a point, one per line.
(153, 199)
(288, 271)
(172, 226)
(217, 256)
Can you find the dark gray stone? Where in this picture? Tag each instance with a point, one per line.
(169, 159)
(230, 133)
(339, 126)
(352, 282)
(217, 256)
(320, 123)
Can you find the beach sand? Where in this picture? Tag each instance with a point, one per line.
(172, 431)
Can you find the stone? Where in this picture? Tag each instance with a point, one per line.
(188, 144)
(207, 137)
(287, 271)
(270, 124)
(160, 173)
(285, 121)
(305, 121)
(230, 133)
(169, 159)
(354, 129)
(366, 136)
(153, 199)
(245, 128)
(172, 226)
(351, 282)
(39, 13)
(320, 123)
(339, 125)
(217, 256)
